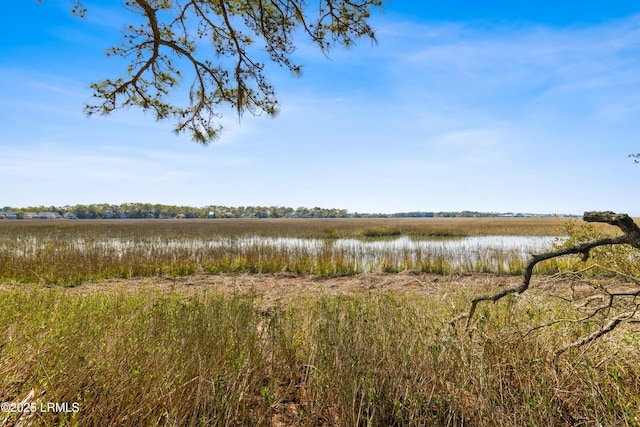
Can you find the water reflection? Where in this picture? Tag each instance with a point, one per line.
(476, 253)
(495, 252)
(525, 245)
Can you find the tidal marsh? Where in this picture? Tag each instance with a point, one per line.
(154, 331)
(69, 253)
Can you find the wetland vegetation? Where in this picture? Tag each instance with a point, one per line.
(70, 252)
(372, 355)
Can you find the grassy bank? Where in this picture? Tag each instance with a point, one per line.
(367, 358)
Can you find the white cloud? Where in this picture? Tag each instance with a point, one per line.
(439, 116)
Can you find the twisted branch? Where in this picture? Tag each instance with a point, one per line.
(630, 236)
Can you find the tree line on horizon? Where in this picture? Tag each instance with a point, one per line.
(155, 210)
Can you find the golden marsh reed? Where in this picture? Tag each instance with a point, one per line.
(364, 357)
(70, 252)
(323, 350)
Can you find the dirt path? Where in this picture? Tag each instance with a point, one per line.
(280, 287)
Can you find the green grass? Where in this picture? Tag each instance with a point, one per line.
(370, 358)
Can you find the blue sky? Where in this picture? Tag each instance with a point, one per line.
(495, 106)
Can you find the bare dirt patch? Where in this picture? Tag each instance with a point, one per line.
(276, 288)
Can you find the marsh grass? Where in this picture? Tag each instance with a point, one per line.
(69, 253)
(138, 358)
(364, 359)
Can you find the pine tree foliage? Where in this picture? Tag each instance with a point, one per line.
(219, 49)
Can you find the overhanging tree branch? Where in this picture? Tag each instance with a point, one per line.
(217, 41)
(630, 236)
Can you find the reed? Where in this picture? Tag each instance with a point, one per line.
(374, 358)
(69, 253)
(303, 228)
(369, 358)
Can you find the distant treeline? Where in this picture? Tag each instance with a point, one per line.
(149, 210)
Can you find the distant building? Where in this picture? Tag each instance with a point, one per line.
(50, 215)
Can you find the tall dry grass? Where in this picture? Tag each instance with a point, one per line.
(367, 359)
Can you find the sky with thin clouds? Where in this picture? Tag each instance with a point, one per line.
(493, 106)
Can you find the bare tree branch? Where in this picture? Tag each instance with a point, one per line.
(610, 326)
(631, 237)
